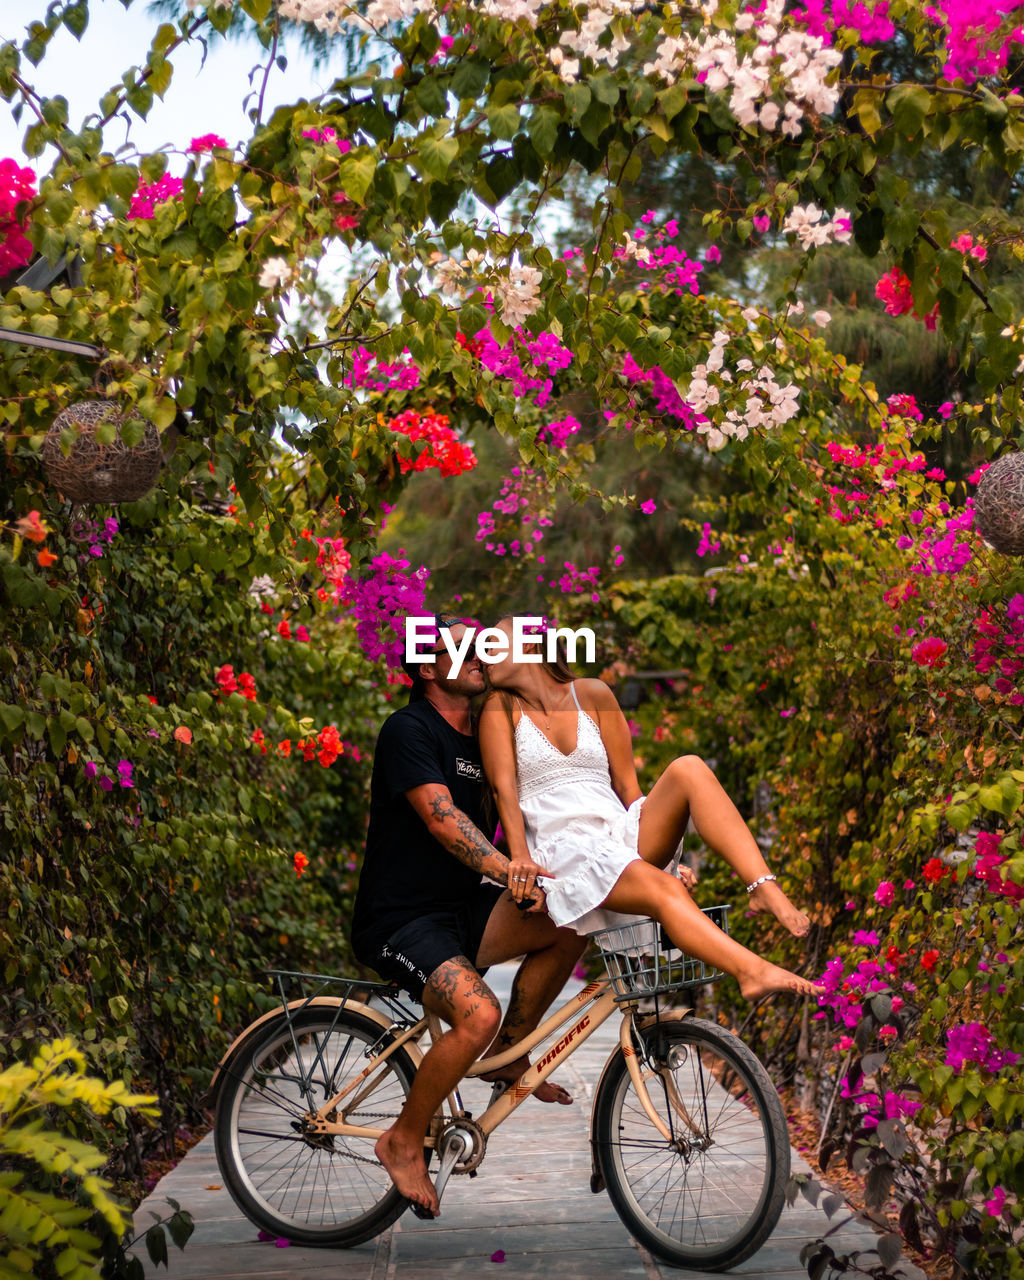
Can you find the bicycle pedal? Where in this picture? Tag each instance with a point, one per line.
(422, 1212)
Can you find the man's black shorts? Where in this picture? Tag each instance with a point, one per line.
(414, 951)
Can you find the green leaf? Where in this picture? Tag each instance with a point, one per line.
(542, 127)
(11, 717)
(470, 79)
(504, 121)
(355, 174)
(909, 104)
(436, 156)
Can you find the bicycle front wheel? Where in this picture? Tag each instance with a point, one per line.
(710, 1197)
(311, 1189)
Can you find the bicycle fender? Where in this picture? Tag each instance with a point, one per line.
(356, 1006)
(597, 1182)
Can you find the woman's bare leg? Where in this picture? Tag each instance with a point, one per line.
(689, 789)
(644, 890)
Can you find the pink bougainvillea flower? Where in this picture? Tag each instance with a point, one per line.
(930, 652)
(865, 938)
(885, 894)
(498, 1255)
(946, 409)
(762, 222)
(996, 1202)
(714, 254)
(90, 770)
(148, 195)
(107, 783)
(207, 142)
(263, 1236)
(649, 507)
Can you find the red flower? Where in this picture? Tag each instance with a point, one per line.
(934, 870)
(226, 679)
(929, 960)
(258, 738)
(284, 748)
(46, 558)
(32, 527)
(301, 862)
(284, 630)
(247, 686)
(930, 652)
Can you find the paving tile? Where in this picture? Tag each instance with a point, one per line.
(531, 1199)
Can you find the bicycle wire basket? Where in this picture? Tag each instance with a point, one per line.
(641, 960)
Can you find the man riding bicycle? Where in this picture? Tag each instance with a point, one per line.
(423, 917)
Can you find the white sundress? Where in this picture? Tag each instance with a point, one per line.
(576, 826)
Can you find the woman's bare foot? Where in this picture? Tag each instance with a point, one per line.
(408, 1171)
(768, 898)
(763, 979)
(546, 1092)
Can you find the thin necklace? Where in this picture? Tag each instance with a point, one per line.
(547, 714)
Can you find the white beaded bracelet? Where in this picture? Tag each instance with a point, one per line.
(759, 880)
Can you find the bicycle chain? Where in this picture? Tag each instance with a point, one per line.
(366, 1115)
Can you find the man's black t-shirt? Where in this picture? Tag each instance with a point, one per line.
(406, 872)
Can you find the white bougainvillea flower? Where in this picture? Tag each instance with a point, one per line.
(276, 271)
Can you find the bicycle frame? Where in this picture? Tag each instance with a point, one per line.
(595, 1003)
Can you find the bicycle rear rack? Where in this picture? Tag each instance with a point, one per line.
(294, 985)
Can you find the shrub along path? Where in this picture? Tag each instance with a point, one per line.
(529, 1212)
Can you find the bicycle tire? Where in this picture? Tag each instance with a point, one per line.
(330, 1191)
(713, 1201)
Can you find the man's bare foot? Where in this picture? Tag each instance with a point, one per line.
(407, 1170)
(763, 979)
(546, 1092)
(769, 898)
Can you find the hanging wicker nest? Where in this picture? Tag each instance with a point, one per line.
(95, 471)
(999, 505)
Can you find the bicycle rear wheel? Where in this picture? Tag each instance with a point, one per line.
(710, 1198)
(316, 1190)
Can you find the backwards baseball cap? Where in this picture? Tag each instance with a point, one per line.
(442, 622)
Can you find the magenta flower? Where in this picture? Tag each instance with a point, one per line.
(946, 409)
(865, 938)
(714, 254)
(885, 894)
(207, 142)
(124, 773)
(649, 507)
(106, 783)
(762, 222)
(930, 652)
(994, 1205)
(90, 770)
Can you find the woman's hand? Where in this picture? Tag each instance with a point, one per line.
(522, 879)
(687, 876)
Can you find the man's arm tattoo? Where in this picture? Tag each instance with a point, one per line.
(471, 846)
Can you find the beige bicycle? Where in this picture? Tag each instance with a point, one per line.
(687, 1132)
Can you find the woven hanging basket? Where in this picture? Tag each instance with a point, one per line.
(98, 472)
(999, 505)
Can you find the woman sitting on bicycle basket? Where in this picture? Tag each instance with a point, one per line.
(559, 759)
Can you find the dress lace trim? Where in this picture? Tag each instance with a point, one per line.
(541, 765)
